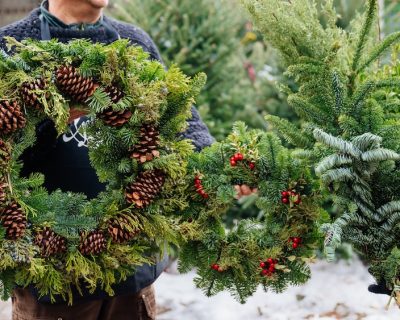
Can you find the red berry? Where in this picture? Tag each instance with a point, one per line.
(239, 156)
(295, 245)
(284, 194)
(252, 165)
(296, 240)
(205, 195)
(202, 192)
(270, 260)
(215, 266)
(285, 200)
(271, 268)
(262, 265)
(233, 163)
(265, 272)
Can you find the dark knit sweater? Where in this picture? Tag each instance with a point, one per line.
(30, 27)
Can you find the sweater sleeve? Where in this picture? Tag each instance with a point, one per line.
(198, 132)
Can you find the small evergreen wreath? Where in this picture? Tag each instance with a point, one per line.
(158, 190)
(273, 249)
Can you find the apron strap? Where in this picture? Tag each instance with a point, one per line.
(44, 28)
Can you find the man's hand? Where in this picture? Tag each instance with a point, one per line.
(244, 190)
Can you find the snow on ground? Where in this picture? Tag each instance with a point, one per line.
(335, 291)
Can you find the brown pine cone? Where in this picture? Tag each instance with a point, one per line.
(50, 243)
(3, 192)
(5, 153)
(146, 149)
(120, 228)
(93, 242)
(29, 96)
(114, 93)
(70, 82)
(145, 189)
(13, 219)
(115, 118)
(11, 117)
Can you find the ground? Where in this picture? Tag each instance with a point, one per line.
(336, 291)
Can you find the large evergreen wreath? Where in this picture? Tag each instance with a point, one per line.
(137, 110)
(159, 192)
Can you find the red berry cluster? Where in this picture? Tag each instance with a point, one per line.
(295, 242)
(239, 157)
(216, 267)
(235, 158)
(199, 187)
(290, 196)
(268, 267)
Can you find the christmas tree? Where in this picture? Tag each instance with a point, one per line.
(350, 130)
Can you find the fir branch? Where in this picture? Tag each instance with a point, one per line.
(380, 154)
(370, 17)
(290, 132)
(309, 111)
(379, 50)
(334, 160)
(337, 143)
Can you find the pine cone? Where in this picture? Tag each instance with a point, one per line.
(110, 116)
(115, 118)
(3, 192)
(114, 93)
(93, 242)
(11, 117)
(50, 243)
(146, 148)
(71, 83)
(29, 97)
(5, 153)
(145, 189)
(120, 228)
(14, 221)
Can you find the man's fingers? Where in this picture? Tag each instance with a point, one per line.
(238, 192)
(245, 190)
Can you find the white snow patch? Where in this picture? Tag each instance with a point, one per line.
(335, 291)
